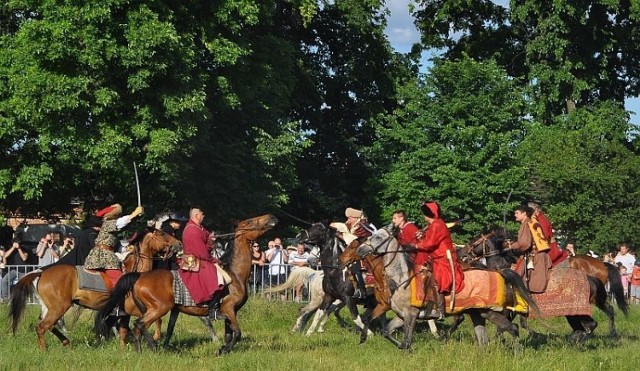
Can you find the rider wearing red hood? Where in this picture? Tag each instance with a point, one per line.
(432, 246)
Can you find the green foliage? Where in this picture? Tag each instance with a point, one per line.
(453, 140)
(583, 168)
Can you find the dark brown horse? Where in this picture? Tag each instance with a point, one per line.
(150, 295)
(58, 289)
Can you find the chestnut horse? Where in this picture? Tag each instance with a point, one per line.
(150, 295)
(58, 289)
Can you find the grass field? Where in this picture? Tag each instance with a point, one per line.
(267, 344)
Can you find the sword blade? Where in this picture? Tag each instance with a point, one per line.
(135, 170)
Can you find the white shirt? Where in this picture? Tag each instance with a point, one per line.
(627, 260)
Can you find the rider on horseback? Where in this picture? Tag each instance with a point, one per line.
(102, 256)
(535, 263)
(433, 245)
(357, 228)
(203, 284)
(557, 256)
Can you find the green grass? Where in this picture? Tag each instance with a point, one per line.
(267, 344)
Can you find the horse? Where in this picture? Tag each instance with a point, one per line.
(150, 295)
(398, 273)
(338, 289)
(57, 289)
(489, 247)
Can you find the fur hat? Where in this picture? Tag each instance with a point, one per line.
(430, 209)
(353, 213)
(110, 212)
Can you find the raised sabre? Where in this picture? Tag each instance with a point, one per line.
(135, 171)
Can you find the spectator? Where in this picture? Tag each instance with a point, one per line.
(635, 283)
(47, 251)
(608, 257)
(67, 246)
(628, 260)
(298, 258)
(257, 262)
(570, 249)
(14, 257)
(277, 258)
(2, 262)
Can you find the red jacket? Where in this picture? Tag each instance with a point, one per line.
(201, 284)
(433, 245)
(407, 234)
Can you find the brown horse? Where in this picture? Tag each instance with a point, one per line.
(58, 289)
(150, 295)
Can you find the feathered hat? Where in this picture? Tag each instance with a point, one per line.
(110, 212)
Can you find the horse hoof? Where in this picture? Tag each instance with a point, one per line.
(66, 343)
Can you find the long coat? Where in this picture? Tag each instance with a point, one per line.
(204, 283)
(433, 245)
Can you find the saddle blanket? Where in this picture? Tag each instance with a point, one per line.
(482, 289)
(567, 294)
(90, 281)
(180, 293)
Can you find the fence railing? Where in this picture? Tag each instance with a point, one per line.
(260, 279)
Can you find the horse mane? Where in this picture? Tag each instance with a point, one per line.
(229, 253)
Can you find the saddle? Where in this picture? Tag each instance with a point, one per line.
(93, 280)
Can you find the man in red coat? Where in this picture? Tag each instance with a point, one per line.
(407, 231)
(432, 246)
(557, 256)
(203, 285)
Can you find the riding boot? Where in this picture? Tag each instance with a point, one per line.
(214, 307)
(361, 290)
(440, 306)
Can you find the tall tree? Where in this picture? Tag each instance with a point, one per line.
(584, 169)
(453, 140)
(570, 53)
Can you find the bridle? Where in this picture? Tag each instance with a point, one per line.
(139, 256)
(482, 240)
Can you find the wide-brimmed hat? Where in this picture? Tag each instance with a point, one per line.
(353, 213)
(291, 247)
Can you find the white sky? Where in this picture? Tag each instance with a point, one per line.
(402, 34)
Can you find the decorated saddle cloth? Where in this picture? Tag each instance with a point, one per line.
(181, 295)
(482, 289)
(93, 281)
(567, 294)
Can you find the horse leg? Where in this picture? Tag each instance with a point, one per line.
(158, 333)
(207, 323)
(232, 333)
(409, 326)
(433, 328)
(47, 323)
(316, 320)
(123, 330)
(63, 339)
(502, 323)
(604, 305)
(479, 328)
(579, 333)
(173, 318)
(392, 326)
(457, 320)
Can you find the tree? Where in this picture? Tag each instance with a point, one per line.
(453, 140)
(583, 167)
(569, 53)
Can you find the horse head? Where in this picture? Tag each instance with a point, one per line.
(158, 241)
(251, 229)
(315, 235)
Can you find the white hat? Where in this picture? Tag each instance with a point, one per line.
(353, 213)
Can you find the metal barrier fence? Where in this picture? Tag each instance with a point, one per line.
(261, 278)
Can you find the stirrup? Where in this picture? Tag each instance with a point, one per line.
(215, 315)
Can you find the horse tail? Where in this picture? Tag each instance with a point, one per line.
(19, 296)
(512, 278)
(296, 277)
(123, 287)
(615, 287)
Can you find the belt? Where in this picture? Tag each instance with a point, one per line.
(104, 247)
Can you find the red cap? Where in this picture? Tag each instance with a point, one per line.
(105, 211)
(431, 209)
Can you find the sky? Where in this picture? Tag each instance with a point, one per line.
(402, 34)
